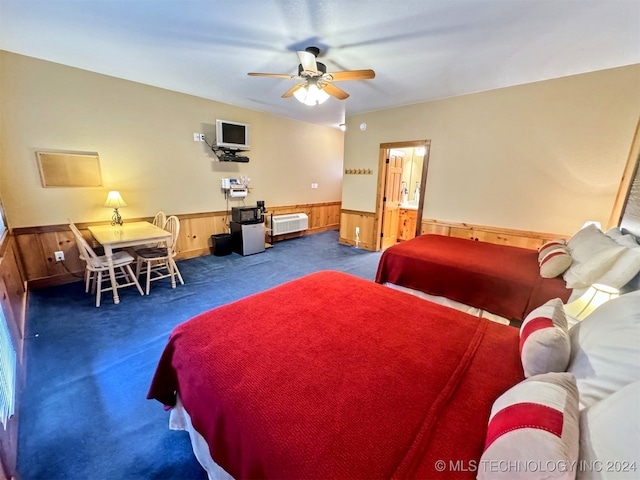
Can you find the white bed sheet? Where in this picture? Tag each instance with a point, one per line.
(476, 312)
(179, 419)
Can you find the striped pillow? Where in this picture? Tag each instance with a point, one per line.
(545, 345)
(533, 430)
(551, 244)
(554, 261)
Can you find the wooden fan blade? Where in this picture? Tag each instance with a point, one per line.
(352, 75)
(308, 61)
(290, 92)
(335, 91)
(276, 75)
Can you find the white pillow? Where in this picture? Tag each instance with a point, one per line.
(625, 239)
(544, 340)
(589, 241)
(610, 436)
(622, 271)
(602, 258)
(535, 424)
(605, 349)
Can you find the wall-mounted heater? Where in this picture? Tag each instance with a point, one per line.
(293, 222)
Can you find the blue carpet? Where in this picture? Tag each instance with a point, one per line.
(84, 413)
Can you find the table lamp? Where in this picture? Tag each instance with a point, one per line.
(596, 295)
(115, 201)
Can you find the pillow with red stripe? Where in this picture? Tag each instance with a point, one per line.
(545, 345)
(555, 261)
(551, 244)
(533, 430)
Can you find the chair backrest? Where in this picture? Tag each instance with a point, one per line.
(84, 249)
(172, 225)
(160, 219)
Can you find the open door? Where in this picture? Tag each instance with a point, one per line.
(389, 197)
(391, 200)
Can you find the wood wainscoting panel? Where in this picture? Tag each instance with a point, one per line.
(13, 299)
(195, 233)
(36, 245)
(365, 222)
(502, 236)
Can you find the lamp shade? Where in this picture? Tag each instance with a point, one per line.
(311, 94)
(596, 295)
(114, 200)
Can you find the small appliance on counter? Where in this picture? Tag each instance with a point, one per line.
(247, 215)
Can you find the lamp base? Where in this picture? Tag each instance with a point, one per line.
(116, 219)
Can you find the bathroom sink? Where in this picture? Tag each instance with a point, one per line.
(409, 205)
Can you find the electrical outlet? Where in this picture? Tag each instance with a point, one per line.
(59, 256)
(196, 137)
(314, 185)
(202, 137)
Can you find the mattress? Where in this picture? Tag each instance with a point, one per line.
(499, 279)
(333, 376)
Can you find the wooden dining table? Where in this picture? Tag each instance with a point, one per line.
(126, 235)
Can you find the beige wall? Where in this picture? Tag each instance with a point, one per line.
(545, 156)
(144, 137)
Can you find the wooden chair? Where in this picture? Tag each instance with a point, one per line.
(158, 262)
(97, 265)
(159, 220)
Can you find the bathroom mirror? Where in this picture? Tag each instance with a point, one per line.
(412, 171)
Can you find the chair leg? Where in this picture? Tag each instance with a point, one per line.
(148, 277)
(98, 289)
(138, 267)
(172, 272)
(87, 279)
(175, 268)
(134, 279)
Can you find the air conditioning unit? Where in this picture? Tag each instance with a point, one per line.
(293, 222)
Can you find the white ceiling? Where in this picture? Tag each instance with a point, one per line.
(421, 50)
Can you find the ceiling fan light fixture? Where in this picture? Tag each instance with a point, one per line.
(311, 95)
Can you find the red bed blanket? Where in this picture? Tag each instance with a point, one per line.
(333, 376)
(500, 279)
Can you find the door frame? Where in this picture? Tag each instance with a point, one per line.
(382, 175)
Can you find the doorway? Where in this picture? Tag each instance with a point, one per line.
(402, 180)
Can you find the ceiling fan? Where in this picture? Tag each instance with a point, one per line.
(317, 84)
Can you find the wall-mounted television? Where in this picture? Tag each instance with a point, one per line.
(232, 135)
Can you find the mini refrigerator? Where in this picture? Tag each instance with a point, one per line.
(247, 238)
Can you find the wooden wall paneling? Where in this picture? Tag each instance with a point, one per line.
(461, 232)
(32, 255)
(14, 294)
(13, 303)
(365, 221)
(36, 245)
(502, 236)
(434, 228)
(195, 234)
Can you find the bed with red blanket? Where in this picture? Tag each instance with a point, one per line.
(334, 376)
(500, 279)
